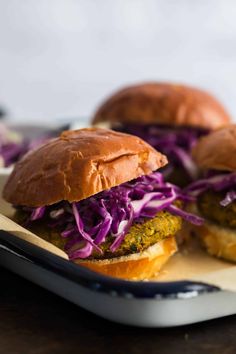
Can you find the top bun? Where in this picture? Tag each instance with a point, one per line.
(79, 164)
(163, 103)
(217, 150)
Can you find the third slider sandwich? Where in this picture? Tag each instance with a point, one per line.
(215, 192)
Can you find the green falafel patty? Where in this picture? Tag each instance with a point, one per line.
(209, 206)
(143, 235)
(139, 238)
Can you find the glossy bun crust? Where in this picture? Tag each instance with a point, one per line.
(217, 150)
(79, 164)
(162, 103)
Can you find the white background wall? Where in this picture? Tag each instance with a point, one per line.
(59, 58)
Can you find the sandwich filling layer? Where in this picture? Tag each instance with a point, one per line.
(209, 206)
(122, 220)
(140, 236)
(215, 196)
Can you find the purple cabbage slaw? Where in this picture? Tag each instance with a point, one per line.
(12, 152)
(13, 149)
(10, 149)
(86, 224)
(217, 181)
(175, 142)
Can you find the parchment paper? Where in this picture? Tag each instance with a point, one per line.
(7, 224)
(192, 262)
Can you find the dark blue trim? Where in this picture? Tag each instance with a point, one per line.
(98, 282)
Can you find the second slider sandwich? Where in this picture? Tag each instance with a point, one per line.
(169, 117)
(96, 193)
(215, 193)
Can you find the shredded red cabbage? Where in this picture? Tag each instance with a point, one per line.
(229, 198)
(86, 224)
(13, 147)
(217, 181)
(11, 152)
(175, 142)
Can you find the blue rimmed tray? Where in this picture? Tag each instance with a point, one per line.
(147, 304)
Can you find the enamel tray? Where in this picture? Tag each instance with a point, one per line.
(145, 304)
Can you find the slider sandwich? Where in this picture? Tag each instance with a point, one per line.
(215, 192)
(169, 117)
(98, 194)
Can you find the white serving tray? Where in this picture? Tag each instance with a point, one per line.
(145, 304)
(156, 303)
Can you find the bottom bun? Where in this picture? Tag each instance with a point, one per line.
(138, 266)
(218, 241)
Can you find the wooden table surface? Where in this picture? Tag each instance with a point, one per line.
(34, 321)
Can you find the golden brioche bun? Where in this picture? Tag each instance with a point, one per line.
(79, 164)
(162, 103)
(137, 266)
(217, 150)
(218, 241)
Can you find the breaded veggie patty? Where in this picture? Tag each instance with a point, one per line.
(210, 208)
(140, 236)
